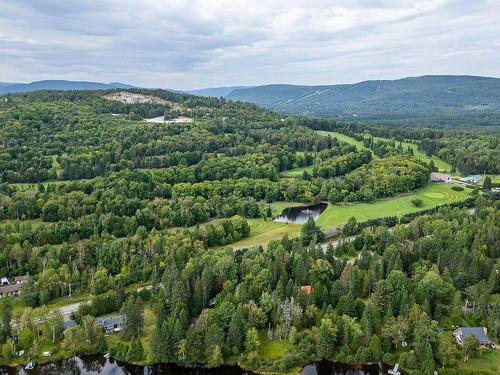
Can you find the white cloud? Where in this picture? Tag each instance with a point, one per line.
(188, 44)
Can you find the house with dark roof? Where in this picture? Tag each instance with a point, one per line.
(111, 324)
(480, 333)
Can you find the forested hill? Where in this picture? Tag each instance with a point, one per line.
(426, 100)
(6, 87)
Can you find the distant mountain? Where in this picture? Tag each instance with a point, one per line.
(215, 91)
(426, 99)
(60, 85)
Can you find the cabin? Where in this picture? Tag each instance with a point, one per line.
(471, 179)
(480, 332)
(111, 324)
(21, 279)
(440, 177)
(10, 290)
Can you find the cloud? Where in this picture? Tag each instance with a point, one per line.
(188, 44)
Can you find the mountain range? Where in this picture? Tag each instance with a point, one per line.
(6, 88)
(426, 101)
(426, 98)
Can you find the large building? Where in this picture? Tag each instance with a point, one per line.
(471, 179)
(439, 177)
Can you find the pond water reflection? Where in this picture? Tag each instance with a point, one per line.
(300, 214)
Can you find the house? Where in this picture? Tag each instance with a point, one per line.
(307, 289)
(21, 279)
(480, 332)
(68, 324)
(111, 324)
(10, 290)
(471, 179)
(440, 177)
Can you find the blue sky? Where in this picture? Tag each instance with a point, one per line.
(194, 44)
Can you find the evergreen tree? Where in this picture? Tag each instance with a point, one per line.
(325, 343)
(235, 335)
(135, 351)
(252, 342)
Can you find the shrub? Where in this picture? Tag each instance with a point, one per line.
(457, 188)
(417, 202)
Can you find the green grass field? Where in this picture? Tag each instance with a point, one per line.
(261, 232)
(297, 172)
(344, 138)
(432, 195)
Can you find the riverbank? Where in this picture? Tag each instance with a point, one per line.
(99, 365)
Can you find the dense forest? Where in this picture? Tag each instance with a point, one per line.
(137, 218)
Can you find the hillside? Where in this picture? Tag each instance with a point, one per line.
(6, 88)
(216, 92)
(438, 100)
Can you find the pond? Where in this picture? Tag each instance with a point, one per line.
(98, 365)
(300, 214)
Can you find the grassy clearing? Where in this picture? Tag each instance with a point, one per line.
(488, 360)
(261, 232)
(297, 172)
(432, 195)
(344, 138)
(272, 349)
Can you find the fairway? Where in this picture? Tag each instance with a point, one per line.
(344, 138)
(261, 232)
(419, 155)
(432, 195)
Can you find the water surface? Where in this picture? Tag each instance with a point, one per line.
(300, 214)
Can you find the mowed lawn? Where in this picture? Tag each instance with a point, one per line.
(344, 138)
(432, 195)
(297, 172)
(261, 232)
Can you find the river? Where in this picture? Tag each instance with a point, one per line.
(98, 365)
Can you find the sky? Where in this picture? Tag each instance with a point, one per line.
(210, 43)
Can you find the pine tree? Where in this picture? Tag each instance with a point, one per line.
(325, 344)
(236, 332)
(375, 347)
(136, 350)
